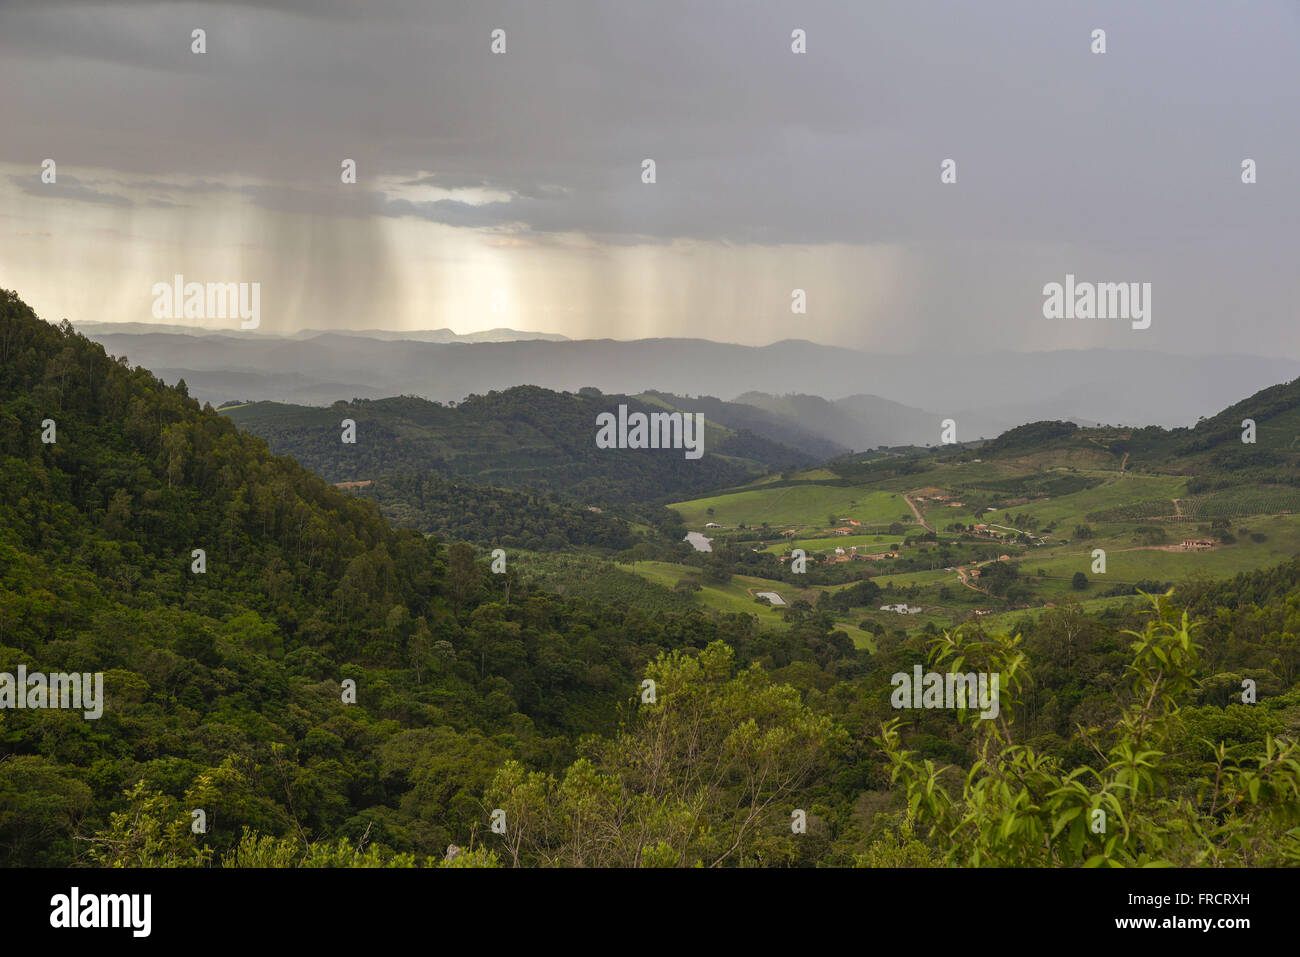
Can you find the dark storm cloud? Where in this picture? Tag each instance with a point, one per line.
(753, 143)
(67, 187)
(1123, 166)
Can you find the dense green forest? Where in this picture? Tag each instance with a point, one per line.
(597, 732)
(458, 511)
(521, 438)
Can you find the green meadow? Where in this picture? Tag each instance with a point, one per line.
(796, 505)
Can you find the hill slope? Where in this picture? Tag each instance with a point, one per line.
(223, 688)
(522, 438)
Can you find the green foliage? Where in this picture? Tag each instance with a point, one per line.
(521, 438)
(1137, 802)
(495, 517)
(706, 775)
(223, 689)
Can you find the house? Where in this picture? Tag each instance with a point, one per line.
(843, 530)
(839, 551)
(1197, 544)
(902, 608)
(790, 532)
(712, 525)
(1004, 558)
(855, 523)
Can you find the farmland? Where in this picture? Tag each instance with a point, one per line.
(1047, 513)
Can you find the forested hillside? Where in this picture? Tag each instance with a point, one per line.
(523, 438)
(224, 688)
(456, 511)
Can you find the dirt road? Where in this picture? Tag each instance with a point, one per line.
(917, 512)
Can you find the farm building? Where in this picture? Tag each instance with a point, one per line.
(902, 609)
(1197, 544)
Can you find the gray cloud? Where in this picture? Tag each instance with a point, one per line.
(753, 143)
(1128, 158)
(66, 187)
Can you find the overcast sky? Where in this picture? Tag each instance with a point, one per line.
(521, 172)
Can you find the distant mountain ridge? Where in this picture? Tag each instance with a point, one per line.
(868, 421)
(94, 330)
(983, 393)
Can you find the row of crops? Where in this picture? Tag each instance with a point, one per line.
(1229, 503)
(1233, 503)
(1151, 508)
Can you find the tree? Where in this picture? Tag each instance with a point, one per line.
(706, 775)
(1017, 807)
(1079, 582)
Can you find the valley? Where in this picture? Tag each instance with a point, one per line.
(460, 609)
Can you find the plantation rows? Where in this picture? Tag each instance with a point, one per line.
(1231, 503)
(1244, 501)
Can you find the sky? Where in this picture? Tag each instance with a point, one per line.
(505, 189)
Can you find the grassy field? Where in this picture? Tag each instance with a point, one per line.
(1074, 509)
(1126, 562)
(736, 596)
(867, 543)
(796, 505)
(1008, 621)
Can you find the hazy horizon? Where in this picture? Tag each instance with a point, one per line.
(173, 328)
